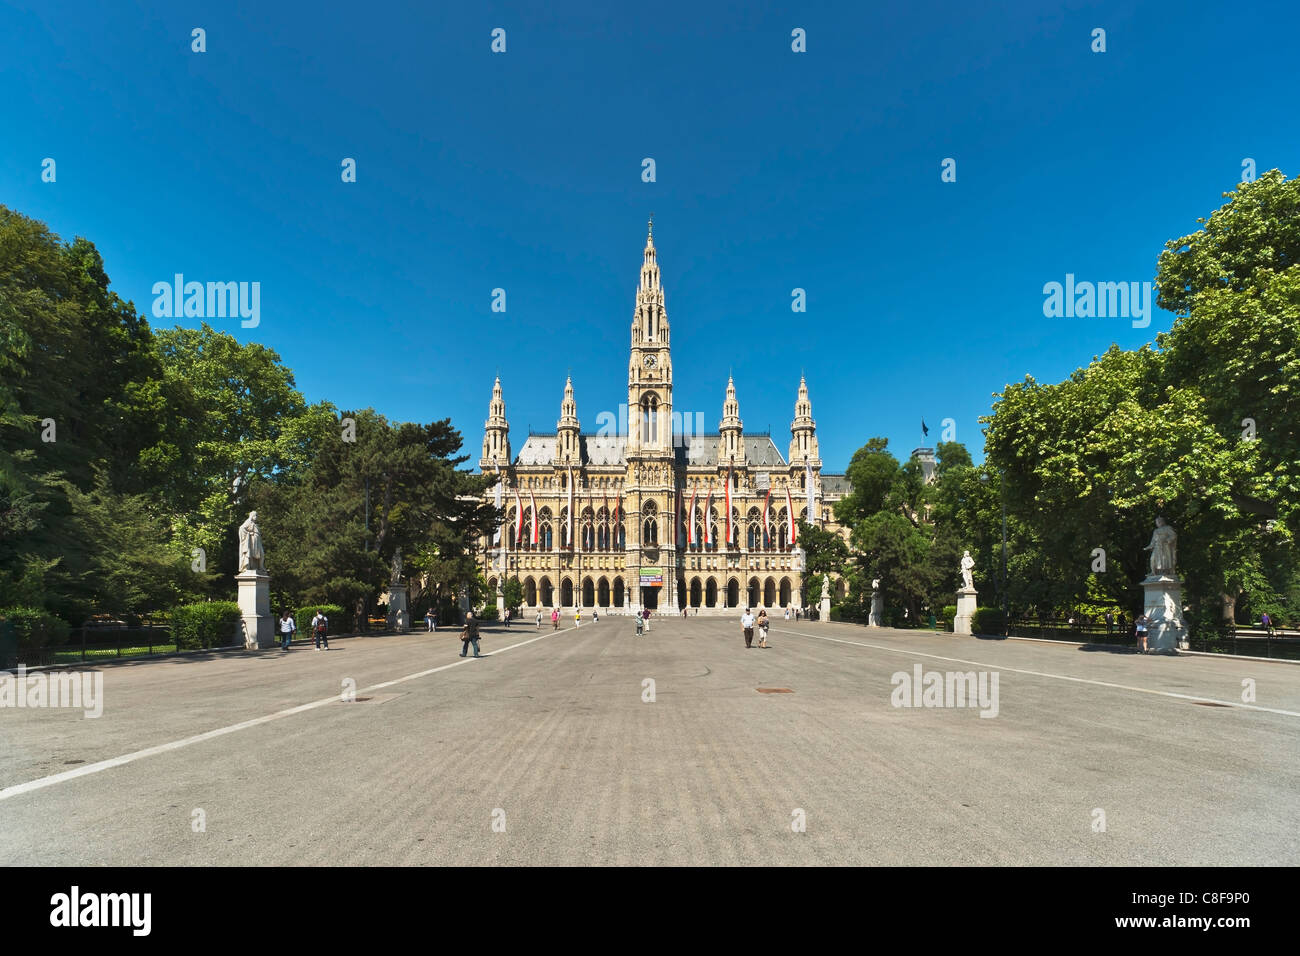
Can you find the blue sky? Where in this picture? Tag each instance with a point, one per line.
(775, 170)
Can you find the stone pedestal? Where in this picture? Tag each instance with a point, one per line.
(1163, 604)
(964, 621)
(824, 609)
(399, 617)
(256, 627)
(877, 618)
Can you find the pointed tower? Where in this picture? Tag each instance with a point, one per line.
(650, 370)
(803, 431)
(731, 441)
(566, 440)
(496, 434)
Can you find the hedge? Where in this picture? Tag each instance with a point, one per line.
(35, 627)
(949, 614)
(988, 620)
(340, 620)
(207, 624)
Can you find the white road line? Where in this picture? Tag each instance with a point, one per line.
(1016, 670)
(99, 766)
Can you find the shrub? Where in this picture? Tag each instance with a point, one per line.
(207, 624)
(988, 620)
(949, 614)
(340, 620)
(490, 612)
(35, 627)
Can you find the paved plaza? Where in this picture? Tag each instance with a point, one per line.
(547, 751)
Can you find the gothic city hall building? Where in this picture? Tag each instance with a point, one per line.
(660, 517)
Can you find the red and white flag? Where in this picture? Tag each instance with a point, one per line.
(690, 521)
(728, 539)
(812, 500)
(708, 528)
(767, 528)
(519, 519)
(789, 508)
(533, 497)
(572, 517)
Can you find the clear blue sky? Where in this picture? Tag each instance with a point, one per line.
(522, 170)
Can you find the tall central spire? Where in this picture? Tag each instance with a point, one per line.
(650, 265)
(650, 368)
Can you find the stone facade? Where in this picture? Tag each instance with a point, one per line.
(651, 496)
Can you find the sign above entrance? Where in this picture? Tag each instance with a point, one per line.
(652, 577)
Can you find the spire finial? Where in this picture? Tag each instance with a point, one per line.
(650, 228)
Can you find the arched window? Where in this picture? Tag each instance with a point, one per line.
(649, 523)
(650, 420)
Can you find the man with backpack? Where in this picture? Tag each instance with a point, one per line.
(320, 629)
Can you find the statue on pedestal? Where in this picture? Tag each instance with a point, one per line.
(967, 563)
(251, 555)
(397, 566)
(1163, 548)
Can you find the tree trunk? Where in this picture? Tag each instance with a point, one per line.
(1229, 608)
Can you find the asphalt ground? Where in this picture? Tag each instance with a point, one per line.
(549, 750)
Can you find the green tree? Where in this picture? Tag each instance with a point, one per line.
(238, 420)
(513, 592)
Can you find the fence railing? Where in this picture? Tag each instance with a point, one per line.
(1283, 643)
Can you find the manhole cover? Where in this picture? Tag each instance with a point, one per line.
(774, 690)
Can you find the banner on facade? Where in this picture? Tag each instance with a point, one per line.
(652, 577)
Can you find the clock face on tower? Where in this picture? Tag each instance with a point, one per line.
(651, 361)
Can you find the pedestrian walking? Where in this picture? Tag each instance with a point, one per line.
(469, 634)
(640, 625)
(646, 615)
(787, 613)
(428, 620)
(507, 618)
(555, 618)
(1140, 632)
(1110, 624)
(1267, 623)
(747, 625)
(577, 617)
(595, 616)
(287, 629)
(320, 629)
(539, 618)
(763, 624)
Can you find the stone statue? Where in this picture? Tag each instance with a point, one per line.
(967, 563)
(397, 566)
(826, 585)
(1163, 548)
(251, 555)
(875, 584)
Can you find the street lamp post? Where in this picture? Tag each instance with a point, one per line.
(1002, 493)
